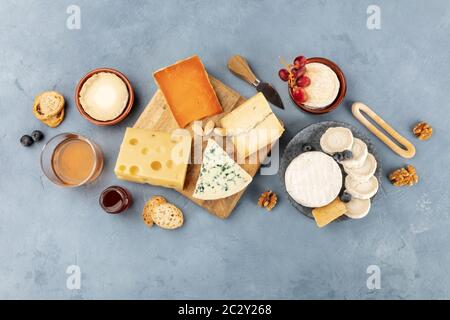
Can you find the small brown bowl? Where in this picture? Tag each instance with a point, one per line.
(341, 93)
(125, 112)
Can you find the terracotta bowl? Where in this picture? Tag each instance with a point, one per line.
(341, 93)
(125, 112)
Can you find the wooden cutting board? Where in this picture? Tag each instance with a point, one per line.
(157, 116)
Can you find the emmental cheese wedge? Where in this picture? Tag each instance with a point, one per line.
(188, 91)
(157, 158)
(253, 126)
(220, 176)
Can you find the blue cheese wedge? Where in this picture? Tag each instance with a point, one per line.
(220, 176)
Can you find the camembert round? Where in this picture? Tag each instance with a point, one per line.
(313, 179)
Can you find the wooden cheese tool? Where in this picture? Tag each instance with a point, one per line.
(240, 67)
(407, 149)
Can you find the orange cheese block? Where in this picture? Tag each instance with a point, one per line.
(187, 90)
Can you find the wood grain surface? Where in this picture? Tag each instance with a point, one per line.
(400, 145)
(157, 116)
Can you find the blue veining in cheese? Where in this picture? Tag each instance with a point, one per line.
(220, 176)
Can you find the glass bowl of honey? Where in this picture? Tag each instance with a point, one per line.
(71, 160)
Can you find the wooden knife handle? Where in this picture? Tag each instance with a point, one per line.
(239, 66)
(403, 147)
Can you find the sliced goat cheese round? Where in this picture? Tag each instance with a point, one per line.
(365, 171)
(357, 208)
(361, 189)
(313, 179)
(336, 139)
(359, 151)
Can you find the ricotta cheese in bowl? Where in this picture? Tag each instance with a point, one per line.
(316, 85)
(324, 87)
(104, 96)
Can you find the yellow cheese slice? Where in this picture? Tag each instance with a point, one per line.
(330, 212)
(253, 126)
(157, 158)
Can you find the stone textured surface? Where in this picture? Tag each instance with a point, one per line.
(402, 71)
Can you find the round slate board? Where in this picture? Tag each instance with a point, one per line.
(311, 134)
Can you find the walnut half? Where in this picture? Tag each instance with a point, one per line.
(268, 200)
(404, 176)
(423, 131)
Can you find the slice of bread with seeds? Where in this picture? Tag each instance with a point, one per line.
(150, 207)
(167, 216)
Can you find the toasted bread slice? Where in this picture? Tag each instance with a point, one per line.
(54, 121)
(47, 105)
(167, 216)
(150, 207)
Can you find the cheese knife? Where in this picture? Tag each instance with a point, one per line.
(239, 66)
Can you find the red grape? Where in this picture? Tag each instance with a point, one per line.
(299, 95)
(300, 61)
(283, 74)
(300, 72)
(303, 81)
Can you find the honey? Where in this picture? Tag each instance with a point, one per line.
(115, 199)
(73, 161)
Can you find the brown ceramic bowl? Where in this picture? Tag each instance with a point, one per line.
(341, 93)
(125, 112)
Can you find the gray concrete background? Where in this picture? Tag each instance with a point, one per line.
(402, 71)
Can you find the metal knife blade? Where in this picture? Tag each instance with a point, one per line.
(271, 94)
(239, 66)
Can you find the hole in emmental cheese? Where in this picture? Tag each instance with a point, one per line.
(144, 151)
(156, 165)
(133, 141)
(160, 149)
(169, 164)
(122, 168)
(134, 170)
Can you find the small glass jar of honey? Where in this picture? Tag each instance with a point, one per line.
(115, 199)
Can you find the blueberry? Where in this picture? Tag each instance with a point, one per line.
(346, 197)
(26, 140)
(307, 147)
(37, 135)
(338, 156)
(348, 154)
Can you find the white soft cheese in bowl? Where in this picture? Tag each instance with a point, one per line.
(324, 87)
(104, 96)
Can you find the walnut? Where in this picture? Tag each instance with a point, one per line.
(423, 131)
(404, 176)
(268, 200)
